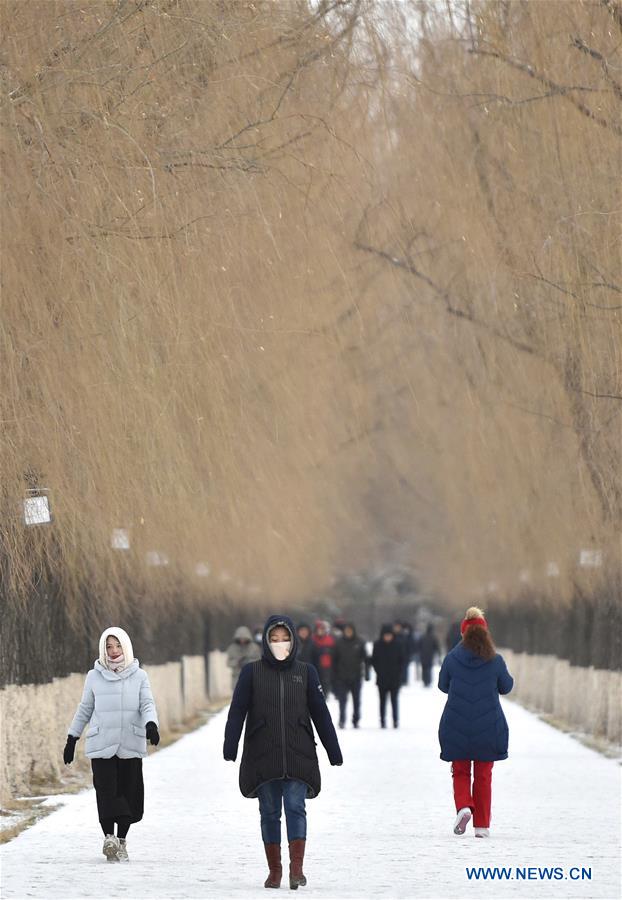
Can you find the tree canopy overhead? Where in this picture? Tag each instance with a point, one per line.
(294, 290)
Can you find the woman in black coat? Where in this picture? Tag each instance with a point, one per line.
(388, 660)
(279, 696)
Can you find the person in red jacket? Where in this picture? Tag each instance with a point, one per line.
(323, 654)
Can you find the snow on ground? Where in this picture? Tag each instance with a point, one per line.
(380, 828)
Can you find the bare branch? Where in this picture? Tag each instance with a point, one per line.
(446, 298)
(563, 90)
(602, 396)
(583, 47)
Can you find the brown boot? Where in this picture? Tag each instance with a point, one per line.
(273, 855)
(296, 857)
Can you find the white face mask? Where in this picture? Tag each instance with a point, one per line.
(281, 649)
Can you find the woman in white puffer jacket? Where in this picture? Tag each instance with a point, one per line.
(118, 706)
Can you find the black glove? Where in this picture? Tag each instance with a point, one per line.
(153, 734)
(70, 749)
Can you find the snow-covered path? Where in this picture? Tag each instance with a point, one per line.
(380, 828)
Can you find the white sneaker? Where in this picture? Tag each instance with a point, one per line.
(462, 820)
(111, 848)
(122, 851)
(482, 832)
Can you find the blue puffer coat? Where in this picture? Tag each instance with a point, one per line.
(473, 725)
(116, 706)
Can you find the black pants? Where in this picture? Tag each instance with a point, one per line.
(384, 693)
(120, 792)
(342, 690)
(426, 673)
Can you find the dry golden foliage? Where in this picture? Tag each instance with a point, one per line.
(293, 290)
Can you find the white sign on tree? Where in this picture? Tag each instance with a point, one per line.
(120, 539)
(591, 559)
(37, 510)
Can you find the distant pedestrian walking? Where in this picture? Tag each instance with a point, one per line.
(429, 648)
(453, 636)
(349, 666)
(306, 647)
(240, 651)
(401, 638)
(118, 706)
(473, 728)
(388, 661)
(278, 696)
(323, 653)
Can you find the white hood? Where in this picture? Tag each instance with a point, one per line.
(123, 638)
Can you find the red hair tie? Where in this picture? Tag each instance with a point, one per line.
(466, 622)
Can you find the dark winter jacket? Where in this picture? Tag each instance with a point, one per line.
(428, 647)
(473, 725)
(388, 659)
(453, 637)
(279, 699)
(411, 646)
(350, 660)
(306, 649)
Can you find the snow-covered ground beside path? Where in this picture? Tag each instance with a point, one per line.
(380, 828)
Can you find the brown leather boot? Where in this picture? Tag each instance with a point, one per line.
(296, 857)
(273, 855)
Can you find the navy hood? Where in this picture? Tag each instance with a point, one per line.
(386, 629)
(467, 657)
(267, 653)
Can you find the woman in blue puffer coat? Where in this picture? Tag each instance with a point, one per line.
(473, 728)
(118, 706)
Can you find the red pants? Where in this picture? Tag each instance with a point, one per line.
(478, 799)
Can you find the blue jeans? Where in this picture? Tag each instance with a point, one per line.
(290, 793)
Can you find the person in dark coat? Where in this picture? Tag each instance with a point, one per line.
(305, 643)
(349, 665)
(279, 697)
(429, 647)
(453, 636)
(388, 662)
(473, 728)
(401, 638)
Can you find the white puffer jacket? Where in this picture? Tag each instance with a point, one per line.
(117, 705)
